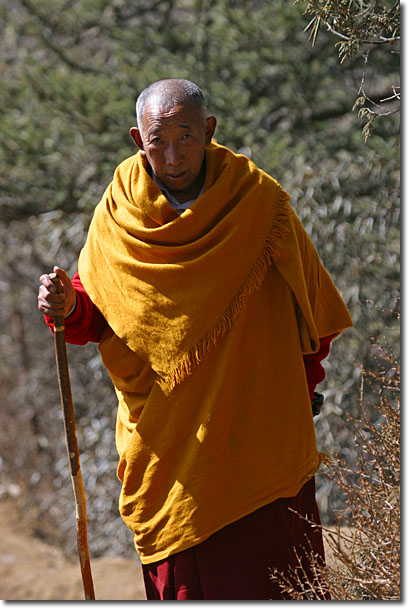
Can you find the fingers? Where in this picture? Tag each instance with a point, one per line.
(51, 303)
(48, 301)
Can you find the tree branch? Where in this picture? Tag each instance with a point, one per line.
(51, 45)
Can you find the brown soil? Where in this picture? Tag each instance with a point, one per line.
(33, 570)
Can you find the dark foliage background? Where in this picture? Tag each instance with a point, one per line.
(71, 72)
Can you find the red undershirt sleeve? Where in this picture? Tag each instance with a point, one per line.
(315, 373)
(86, 323)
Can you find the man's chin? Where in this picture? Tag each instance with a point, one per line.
(177, 184)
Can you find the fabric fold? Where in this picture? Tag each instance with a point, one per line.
(155, 276)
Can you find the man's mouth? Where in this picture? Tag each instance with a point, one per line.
(177, 176)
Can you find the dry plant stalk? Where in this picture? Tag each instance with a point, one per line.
(366, 546)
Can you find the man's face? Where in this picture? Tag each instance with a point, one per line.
(173, 141)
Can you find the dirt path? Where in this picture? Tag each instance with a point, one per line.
(33, 570)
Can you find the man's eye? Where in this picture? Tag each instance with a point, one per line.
(186, 136)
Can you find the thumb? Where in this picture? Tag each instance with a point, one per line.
(62, 275)
(68, 288)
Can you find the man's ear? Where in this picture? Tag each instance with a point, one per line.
(136, 136)
(210, 129)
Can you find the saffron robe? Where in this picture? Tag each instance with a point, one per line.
(214, 418)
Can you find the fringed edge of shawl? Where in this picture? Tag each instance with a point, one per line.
(253, 281)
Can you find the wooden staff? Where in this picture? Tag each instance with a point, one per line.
(72, 447)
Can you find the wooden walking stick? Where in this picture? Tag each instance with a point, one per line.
(72, 447)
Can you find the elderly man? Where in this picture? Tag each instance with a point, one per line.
(212, 312)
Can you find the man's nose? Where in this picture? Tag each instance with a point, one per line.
(173, 154)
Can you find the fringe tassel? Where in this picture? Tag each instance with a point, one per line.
(269, 253)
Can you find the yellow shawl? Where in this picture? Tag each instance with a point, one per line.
(211, 424)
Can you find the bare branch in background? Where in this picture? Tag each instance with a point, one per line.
(360, 26)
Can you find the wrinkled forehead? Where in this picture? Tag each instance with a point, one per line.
(162, 109)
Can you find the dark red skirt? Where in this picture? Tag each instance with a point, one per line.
(236, 562)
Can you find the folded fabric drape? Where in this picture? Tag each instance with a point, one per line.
(156, 276)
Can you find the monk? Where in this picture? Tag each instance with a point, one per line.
(212, 313)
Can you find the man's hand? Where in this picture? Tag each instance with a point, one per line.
(51, 303)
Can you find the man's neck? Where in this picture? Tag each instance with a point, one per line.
(179, 206)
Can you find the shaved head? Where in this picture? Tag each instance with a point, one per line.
(167, 94)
